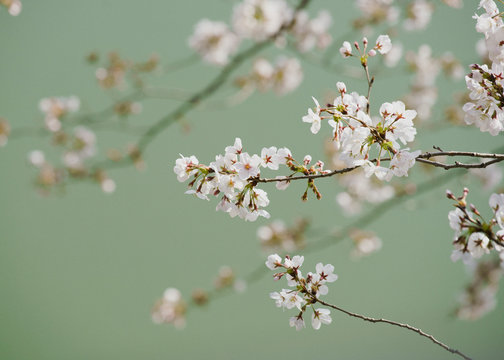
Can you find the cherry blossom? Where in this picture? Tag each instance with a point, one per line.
(306, 290)
(214, 41)
(259, 19)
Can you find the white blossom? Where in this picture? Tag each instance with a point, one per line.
(383, 44)
(214, 41)
(294, 262)
(346, 49)
(269, 158)
(496, 202)
(309, 33)
(36, 158)
(456, 219)
(248, 166)
(321, 316)
(419, 15)
(273, 261)
(297, 322)
(403, 161)
(307, 290)
(185, 167)
(170, 309)
(326, 272)
(260, 19)
(313, 118)
(477, 244)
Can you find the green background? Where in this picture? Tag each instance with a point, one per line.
(80, 271)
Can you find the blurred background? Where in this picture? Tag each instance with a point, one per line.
(80, 270)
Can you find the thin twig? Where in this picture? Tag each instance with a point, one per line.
(181, 63)
(428, 155)
(395, 323)
(421, 158)
(370, 82)
(460, 165)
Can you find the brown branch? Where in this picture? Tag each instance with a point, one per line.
(421, 158)
(428, 155)
(459, 164)
(395, 323)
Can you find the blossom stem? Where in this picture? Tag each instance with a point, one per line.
(370, 82)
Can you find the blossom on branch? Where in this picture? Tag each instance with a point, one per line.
(474, 236)
(355, 133)
(306, 290)
(485, 83)
(235, 176)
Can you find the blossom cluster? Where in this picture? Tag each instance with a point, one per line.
(214, 41)
(283, 77)
(278, 236)
(426, 67)
(480, 296)
(365, 243)
(259, 20)
(473, 235)
(490, 177)
(310, 33)
(383, 46)
(417, 15)
(115, 71)
(56, 108)
(355, 131)
(485, 82)
(359, 190)
(78, 146)
(234, 175)
(170, 309)
(304, 292)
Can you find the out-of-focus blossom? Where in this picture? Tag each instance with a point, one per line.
(365, 243)
(480, 296)
(418, 15)
(55, 108)
(214, 41)
(14, 7)
(490, 176)
(283, 77)
(260, 19)
(309, 33)
(4, 131)
(170, 309)
(276, 236)
(375, 12)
